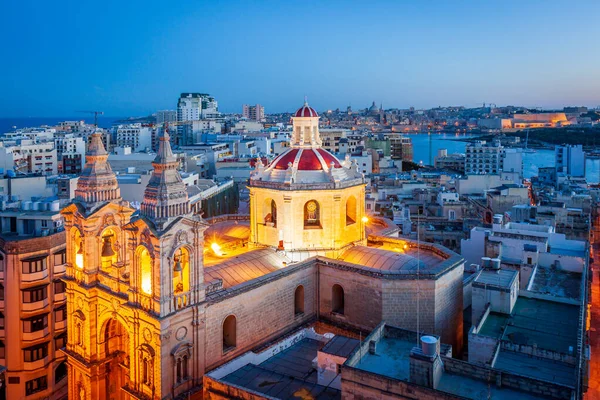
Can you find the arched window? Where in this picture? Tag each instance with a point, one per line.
(312, 214)
(337, 299)
(145, 263)
(270, 212)
(229, 333)
(181, 271)
(351, 210)
(108, 254)
(299, 300)
(60, 372)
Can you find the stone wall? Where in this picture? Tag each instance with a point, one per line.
(448, 311)
(262, 313)
(216, 390)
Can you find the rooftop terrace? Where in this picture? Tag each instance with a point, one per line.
(557, 283)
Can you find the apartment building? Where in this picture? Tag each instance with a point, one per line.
(27, 156)
(253, 112)
(33, 309)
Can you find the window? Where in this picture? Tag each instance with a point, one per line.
(34, 294)
(60, 313)
(529, 260)
(34, 265)
(451, 215)
(299, 300)
(312, 215)
(1, 291)
(60, 372)
(36, 352)
(36, 385)
(34, 324)
(60, 341)
(60, 257)
(229, 333)
(337, 299)
(2, 350)
(1, 320)
(59, 287)
(271, 213)
(351, 210)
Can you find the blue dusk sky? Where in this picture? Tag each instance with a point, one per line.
(135, 57)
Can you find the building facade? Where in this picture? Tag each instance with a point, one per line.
(253, 112)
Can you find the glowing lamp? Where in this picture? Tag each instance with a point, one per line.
(79, 257)
(147, 284)
(216, 248)
(365, 219)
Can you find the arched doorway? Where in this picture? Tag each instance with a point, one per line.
(116, 352)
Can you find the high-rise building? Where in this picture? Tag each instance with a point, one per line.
(570, 160)
(33, 309)
(136, 136)
(164, 116)
(253, 112)
(196, 106)
(401, 147)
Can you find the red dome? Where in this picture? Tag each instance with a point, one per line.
(306, 111)
(309, 160)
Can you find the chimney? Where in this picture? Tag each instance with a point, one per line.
(425, 363)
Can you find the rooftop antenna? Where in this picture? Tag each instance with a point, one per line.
(96, 113)
(418, 276)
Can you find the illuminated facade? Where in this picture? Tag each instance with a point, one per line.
(131, 285)
(307, 202)
(152, 307)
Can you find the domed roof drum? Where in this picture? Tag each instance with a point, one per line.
(306, 111)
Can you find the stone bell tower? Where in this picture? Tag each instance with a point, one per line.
(135, 285)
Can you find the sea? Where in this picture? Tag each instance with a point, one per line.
(425, 146)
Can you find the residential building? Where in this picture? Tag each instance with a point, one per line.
(449, 162)
(166, 116)
(25, 156)
(400, 147)
(253, 112)
(570, 160)
(33, 309)
(196, 106)
(137, 136)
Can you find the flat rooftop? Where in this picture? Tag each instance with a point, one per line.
(544, 369)
(556, 283)
(287, 375)
(390, 359)
(501, 278)
(470, 388)
(549, 325)
(341, 346)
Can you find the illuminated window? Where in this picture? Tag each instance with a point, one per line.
(312, 215)
(145, 262)
(181, 271)
(229, 333)
(270, 212)
(299, 300)
(337, 299)
(351, 210)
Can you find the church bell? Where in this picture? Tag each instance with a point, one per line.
(107, 249)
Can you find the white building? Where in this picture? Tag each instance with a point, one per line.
(197, 106)
(570, 160)
(492, 158)
(136, 136)
(253, 112)
(26, 156)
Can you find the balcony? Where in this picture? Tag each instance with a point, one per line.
(34, 276)
(60, 269)
(60, 325)
(181, 301)
(35, 306)
(60, 297)
(31, 336)
(33, 365)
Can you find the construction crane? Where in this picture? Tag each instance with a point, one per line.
(96, 113)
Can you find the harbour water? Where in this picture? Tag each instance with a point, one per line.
(422, 148)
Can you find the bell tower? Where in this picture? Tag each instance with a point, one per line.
(135, 285)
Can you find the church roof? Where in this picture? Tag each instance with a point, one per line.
(242, 267)
(306, 160)
(306, 111)
(384, 260)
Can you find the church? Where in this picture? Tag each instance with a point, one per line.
(158, 297)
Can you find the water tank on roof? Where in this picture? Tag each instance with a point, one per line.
(36, 206)
(26, 205)
(486, 262)
(498, 218)
(495, 263)
(55, 205)
(429, 345)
